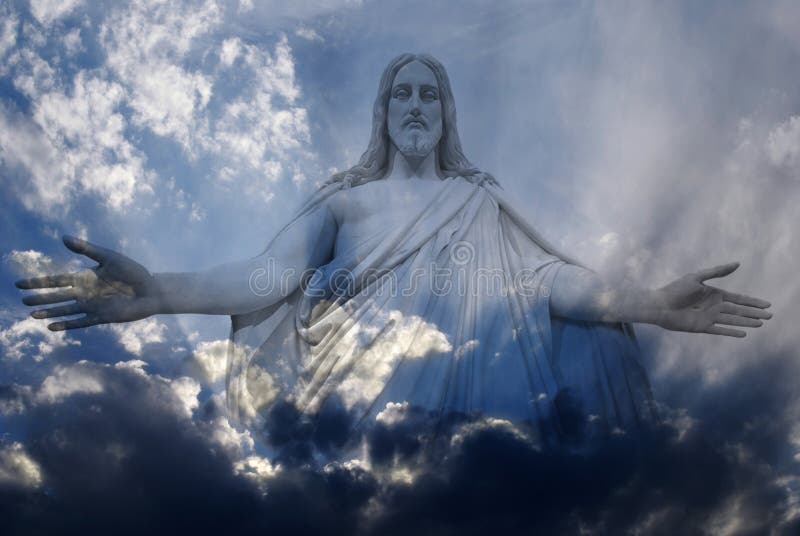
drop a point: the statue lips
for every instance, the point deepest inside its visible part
(412, 122)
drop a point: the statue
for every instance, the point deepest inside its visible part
(410, 280)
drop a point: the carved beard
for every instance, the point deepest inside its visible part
(416, 142)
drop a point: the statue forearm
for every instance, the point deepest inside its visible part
(686, 304)
(232, 288)
(581, 294)
(245, 286)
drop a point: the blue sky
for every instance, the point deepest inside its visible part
(648, 139)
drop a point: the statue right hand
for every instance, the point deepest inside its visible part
(118, 289)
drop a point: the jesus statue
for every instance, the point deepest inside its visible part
(410, 280)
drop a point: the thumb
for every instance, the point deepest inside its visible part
(83, 247)
(718, 271)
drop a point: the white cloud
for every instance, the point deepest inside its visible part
(783, 143)
(260, 127)
(672, 176)
(176, 395)
(731, 518)
(256, 468)
(67, 381)
(791, 508)
(261, 390)
(488, 423)
(77, 138)
(32, 263)
(31, 337)
(375, 357)
(186, 390)
(211, 357)
(17, 468)
(134, 365)
(72, 42)
(197, 213)
(29, 263)
(309, 34)
(18, 401)
(234, 442)
(73, 143)
(8, 33)
(48, 11)
(146, 45)
(463, 349)
(393, 413)
(133, 336)
(88, 130)
(229, 51)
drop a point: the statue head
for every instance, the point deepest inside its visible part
(414, 112)
(439, 133)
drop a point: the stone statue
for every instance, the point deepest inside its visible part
(410, 279)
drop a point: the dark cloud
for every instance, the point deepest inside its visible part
(126, 461)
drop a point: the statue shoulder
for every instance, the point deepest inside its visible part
(342, 201)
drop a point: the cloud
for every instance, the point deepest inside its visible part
(48, 11)
(258, 130)
(106, 456)
(392, 413)
(8, 33)
(67, 381)
(186, 390)
(89, 120)
(211, 358)
(135, 335)
(309, 34)
(72, 42)
(17, 468)
(678, 148)
(234, 442)
(15, 399)
(33, 263)
(147, 45)
(673, 173)
(30, 337)
(256, 468)
(81, 132)
(783, 143)
(135, 365)
(29, 263)
(74, 142)
(257, 122)
(376, 352)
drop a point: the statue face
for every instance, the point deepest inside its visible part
(414, 117)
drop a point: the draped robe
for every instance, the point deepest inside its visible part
(448, 312)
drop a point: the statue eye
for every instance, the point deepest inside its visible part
(429, 95)
(401, 93)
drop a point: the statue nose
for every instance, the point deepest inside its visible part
(414, 103)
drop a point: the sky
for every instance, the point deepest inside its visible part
(646, 139)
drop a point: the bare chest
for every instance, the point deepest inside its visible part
(378, 207)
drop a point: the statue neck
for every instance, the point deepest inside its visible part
(403, 167)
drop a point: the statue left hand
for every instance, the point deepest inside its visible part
(688, 304)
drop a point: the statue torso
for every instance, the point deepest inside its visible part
(377, 207)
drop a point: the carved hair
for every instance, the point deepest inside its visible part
(373, 164)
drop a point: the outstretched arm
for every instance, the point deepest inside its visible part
(687, 304)
(245, 286)
(119, 289)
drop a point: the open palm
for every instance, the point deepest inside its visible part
(118, 289)
(691, 305)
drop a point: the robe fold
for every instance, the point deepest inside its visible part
(448, 312)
